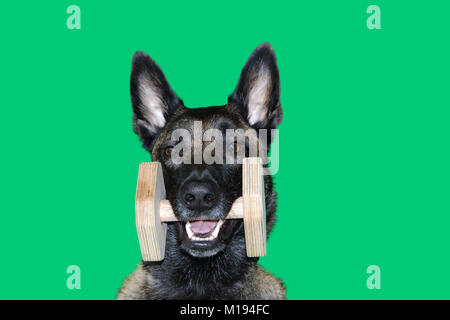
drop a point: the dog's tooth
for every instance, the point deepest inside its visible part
(217, 229)
(210, 238)
(195, 238)
(188, 230)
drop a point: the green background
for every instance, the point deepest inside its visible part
(364, 145)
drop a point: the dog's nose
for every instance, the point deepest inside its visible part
(199, 195)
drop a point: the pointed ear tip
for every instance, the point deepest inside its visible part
(265, 52)
(140, 55)
(265, 47)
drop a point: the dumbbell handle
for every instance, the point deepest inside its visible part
(166, 212)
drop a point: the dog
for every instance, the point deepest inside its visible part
(205, 255)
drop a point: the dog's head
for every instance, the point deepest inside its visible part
(202, 191)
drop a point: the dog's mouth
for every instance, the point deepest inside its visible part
(203, 230)
(203, 237)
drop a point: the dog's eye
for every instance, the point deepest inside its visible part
(168, 151)
(235, 147)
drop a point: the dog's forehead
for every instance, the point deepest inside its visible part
(200, 119)
(209, 117)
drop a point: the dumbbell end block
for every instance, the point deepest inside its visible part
(254, 207)
(149, 192)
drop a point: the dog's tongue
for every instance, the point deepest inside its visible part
(203, 226)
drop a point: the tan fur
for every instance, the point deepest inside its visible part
(135, 286)
(262, 285)
(257, 284)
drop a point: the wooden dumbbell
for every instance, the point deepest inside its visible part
(153, 211)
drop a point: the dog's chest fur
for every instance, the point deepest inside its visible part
(255, 284)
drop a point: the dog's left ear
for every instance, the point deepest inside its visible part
(257, 95)
(152, 98)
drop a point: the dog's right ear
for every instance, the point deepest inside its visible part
(257, 95)
(152, 98)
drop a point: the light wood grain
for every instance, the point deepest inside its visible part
(149, 192)
(254, 207)
(166, 212)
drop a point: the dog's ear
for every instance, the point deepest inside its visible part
(152, 99)
(257, 95)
